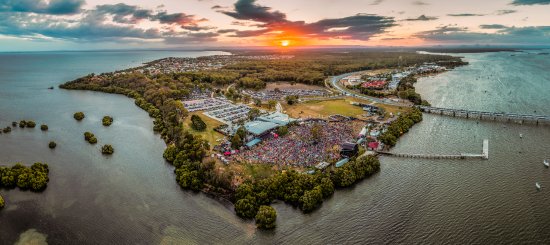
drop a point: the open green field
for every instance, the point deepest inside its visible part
(320, 109)
(323, 109)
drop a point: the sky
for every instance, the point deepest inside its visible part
(28, 25)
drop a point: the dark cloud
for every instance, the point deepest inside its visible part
(420, 3)
(507, 35)
(422, 18)
(357, 27)
(52, 7)
(505, 11)
(249, 10)
(223, 31)
(493, 26)
(123, 13)
(110, 22)
(530, 2)
(465, 15)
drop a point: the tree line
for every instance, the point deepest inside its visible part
(400, 126)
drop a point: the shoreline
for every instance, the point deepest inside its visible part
(227, 195)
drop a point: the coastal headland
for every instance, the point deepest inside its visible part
(231, 133)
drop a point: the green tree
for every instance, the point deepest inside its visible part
(282, 131)
(316, 132)
(2, 203)
(253, 113)
(246, 207)
(291, 99)
(44, 127)
(52, 145)
(266, 217)
(271, 104)
(257, 102)
(22, 123)
(236, 141)
(311, 199)
(197, 123)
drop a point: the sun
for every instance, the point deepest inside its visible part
(285, 43)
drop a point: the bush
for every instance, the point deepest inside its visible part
(14, 124)
(107, 121)
(107, 149)
(44, 127)
(31, 124)
(79, 116)
(52, 145)
(246, 207)
(2, 203)
(6, 130)
(282, 131)
(22, 124)
(266, 217)
(197, 123)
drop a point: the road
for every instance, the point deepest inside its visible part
(335, 83)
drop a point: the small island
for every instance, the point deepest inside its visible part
(90, 138)
(107, 121)
(79, 116)
(107, 150)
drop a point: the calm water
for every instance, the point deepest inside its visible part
(132, 198)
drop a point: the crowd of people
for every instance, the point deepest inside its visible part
(300, 147)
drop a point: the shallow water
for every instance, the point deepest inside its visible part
(132, 198)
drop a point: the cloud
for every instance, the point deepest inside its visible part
(109, 22)
(272, 23)
(422, 18)
(419, 3)
(504, 36)
(530, 2)
(505, 11)
(248, 10)
(52, 7)
(493, 26)
(465, 15)
(376, 2)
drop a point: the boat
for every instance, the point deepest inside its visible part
(538, 186)
(546, 163)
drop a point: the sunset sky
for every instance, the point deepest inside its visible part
(112, 24)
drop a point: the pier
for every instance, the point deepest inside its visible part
(484, 154)
(484, 115)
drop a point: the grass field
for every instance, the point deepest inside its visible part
(208, 134)
(323, 109)
(320, 109)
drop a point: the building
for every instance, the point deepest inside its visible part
(277, 118)
(260, 128)
(349, 149)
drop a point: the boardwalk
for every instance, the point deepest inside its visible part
(484, 155)
(484, 115)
